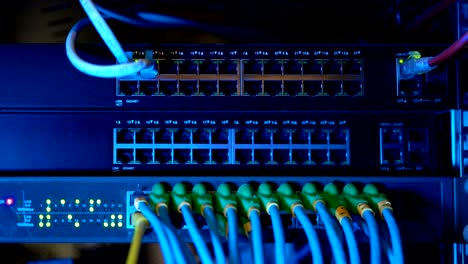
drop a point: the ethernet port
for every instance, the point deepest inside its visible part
(220, 136)
(300, 136)
(188, 87)
(338, 136)
(262, 136)
(125, 135)
(148, 87)
(392, 156)
(201, 156)
(167, 66)
(262, 156)
(300, 156)
(392, 135)
(244, 156)
(188, 67)
(332, 88)
(293, 67)
(220, 156)
(253, 66)
(352, 67)
(281, 136)
(332, 67)
(319, 136)
(273, 67)
(312, 67)
(182, 136)
(252, 88)
(282, 156)
(163, 156)
(320, 156)
(182, 156)
(208, 88)
(163, 135)
(228, 88)
(168, 87)
(228, 66)
(128, 87)
(201, 136)
(208, 67)
(144, 135)
(244, 136)
(125, 156)
(352, 88)
(339, 157)
(313, 88)
(293, 88)
(436, 82)
(411, 87)
(144, 156)
(272, 88)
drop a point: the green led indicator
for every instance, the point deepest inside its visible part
(401, 61)
(91, 209)
(48, 201)
(41, 217)
(112, 224)
(48, 209)
(106, 224)
(77, 224)
(62, 202)
(41, 224)
(77, 201)
(120, 216)
(98, 201)
(112, 217)
(91, 201)
(120, 224)
(70, 217)
(48, 217)
(48, 224)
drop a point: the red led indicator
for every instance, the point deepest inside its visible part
(9, 201)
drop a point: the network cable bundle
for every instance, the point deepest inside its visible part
(235, 153)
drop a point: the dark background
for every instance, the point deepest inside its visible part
(264, 21)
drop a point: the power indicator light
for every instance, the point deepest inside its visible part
(9, 201)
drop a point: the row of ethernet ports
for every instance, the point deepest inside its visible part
(231, 88)
(338, 136)
(337, 157)
(297, 67)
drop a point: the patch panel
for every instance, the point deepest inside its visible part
(238, 146)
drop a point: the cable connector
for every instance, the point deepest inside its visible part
(201, 198)
(180, 196)
(377, 200)
(267, 197)
(248, 202)
(336, 202)
(288, 198)
(159, 196)
(357, 202)
(224, 198)
(139, 220)
(414, 65)
(138, 201)
(311, 196)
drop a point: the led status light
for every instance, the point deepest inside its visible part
(120, 216)
(41, 224)
(112, 217)
(77, 201)
(98, 201)
(91, 201)
(62, 202)
(48, 217)
(106, 224)
(70, 217)
(91, 209)
(112, 224)
(48, 209)
(41, 217)
(48, 224)
(77, 224)
(401, 61)
(48, 201)
(9, 201)
(120, 224)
